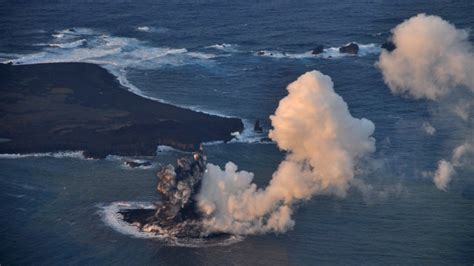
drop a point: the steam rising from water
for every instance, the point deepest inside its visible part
(434, 60)
(324, 143)
(446, 169)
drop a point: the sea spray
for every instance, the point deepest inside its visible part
(323, 144)
(434, 60)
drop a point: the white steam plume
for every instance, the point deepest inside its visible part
(434, 60)
(428, 128)
(446, 169)
(431, 58)
(323, 141)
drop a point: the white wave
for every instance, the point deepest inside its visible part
(151, 29)
(165, 148)
(121, 76)
(74, 31)
(110, 216)
(86, 45)
(116, 54)
(202, 55)
(212, 143)
(224, 47)
(60, 154)
(58, 35)
(371, 48)
(279, 54)
(124, 159)
(270, 53)
(68, 44)
(142, 167)
(331, 52)
(143, 28)
(249, 135)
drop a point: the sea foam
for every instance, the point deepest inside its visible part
(328, 53)
(111, 217)
(59, 154)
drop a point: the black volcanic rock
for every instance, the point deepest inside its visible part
(136, 164)
(317, 50)
(257, 127)
(389, 46)
(176, 214)
(351, 48)
(80, 106)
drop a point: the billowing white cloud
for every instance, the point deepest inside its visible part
(432, 58)
(323, 143)
(443, 174)
(446, 169)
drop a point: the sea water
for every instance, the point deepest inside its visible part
(204, 55)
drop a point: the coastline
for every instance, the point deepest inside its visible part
(81, 106)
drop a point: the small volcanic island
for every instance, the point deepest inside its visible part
(176, 215)
(82, 107)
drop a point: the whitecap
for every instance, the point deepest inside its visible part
(270, 53)
(249, 135)
(224, 47)
(68, 44)
(330, 52)
(212, 143)
(151, 29)
(116, 54)
(202, 55)
(371, 48)
(143, 28)
(165, 149)
(60, 154)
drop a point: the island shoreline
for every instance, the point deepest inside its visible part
(53, 107)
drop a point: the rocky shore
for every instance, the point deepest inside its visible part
(80, 106)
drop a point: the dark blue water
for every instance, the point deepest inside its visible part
(173, 51)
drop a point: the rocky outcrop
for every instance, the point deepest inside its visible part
(389, 46)
(257, 127)
(136, 163)
(176, 213)
(317, 50)
(351, 48)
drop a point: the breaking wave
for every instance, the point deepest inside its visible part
(73, 44)
(151, 29)
(224, 47)
(60, 154)
(328, 53)
(86, 45)
(116, 54)
(111, 217)
(249, 135)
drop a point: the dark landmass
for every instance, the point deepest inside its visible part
(257, 127)
(80, 106)
(319, 49)
(176, 213)
(136, 164)
(351, 48)
(389, 46)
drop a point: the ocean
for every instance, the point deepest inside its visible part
(235, 59)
